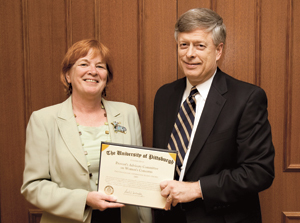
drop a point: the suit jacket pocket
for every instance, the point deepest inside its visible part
(224, 135)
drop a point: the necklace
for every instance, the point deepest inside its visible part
(85, 149)
(102, 106)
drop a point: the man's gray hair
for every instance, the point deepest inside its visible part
(205, 19)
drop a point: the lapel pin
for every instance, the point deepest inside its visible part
(118, 128)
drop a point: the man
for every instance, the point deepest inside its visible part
(229, 157)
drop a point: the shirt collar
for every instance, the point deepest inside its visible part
(202, 88)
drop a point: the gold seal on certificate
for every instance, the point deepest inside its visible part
(133, 174)
(109, 190)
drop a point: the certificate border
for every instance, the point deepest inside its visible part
(137, 147)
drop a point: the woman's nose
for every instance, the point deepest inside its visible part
(93, 70)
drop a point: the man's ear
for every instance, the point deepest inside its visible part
(219, 51)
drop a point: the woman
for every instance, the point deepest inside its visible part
(63, 144)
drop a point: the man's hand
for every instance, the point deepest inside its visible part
(179, 192)
(101, 201)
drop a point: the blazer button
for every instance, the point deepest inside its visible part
(106, 132)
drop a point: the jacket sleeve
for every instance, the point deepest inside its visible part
(254, 169)
(137, 128)
(38, 188)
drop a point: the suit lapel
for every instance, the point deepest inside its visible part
(114, 115)
(212, 108)
(173, 104)
(69, 132)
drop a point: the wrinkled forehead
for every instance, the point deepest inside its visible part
(195, 35)
(192, 30)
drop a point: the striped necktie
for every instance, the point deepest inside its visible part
(183, 126)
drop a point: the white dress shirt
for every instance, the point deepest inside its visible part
(203, 90)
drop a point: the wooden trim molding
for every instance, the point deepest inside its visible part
(140, 33)
(213, 5)
(257, 62)
(68, 5)
(286, 216)
(34, 215)
(97, 19)
(26, 63)
(287, 150)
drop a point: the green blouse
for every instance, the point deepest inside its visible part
(91, 138)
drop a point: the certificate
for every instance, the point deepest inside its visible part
(133, 174)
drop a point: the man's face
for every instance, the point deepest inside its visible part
(197, 55)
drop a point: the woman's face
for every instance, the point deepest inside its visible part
(88, 76)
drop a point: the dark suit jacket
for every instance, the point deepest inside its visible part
(232, 153)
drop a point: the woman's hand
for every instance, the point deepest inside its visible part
(101, 201)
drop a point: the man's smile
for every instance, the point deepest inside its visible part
(191, 64)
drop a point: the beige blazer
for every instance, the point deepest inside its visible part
(56, 177)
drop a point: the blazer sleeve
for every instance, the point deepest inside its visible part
(37, 186)
(254, 168)
(137, 128)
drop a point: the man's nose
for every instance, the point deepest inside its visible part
(191, 51)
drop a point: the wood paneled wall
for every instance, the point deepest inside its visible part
(261, 48)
